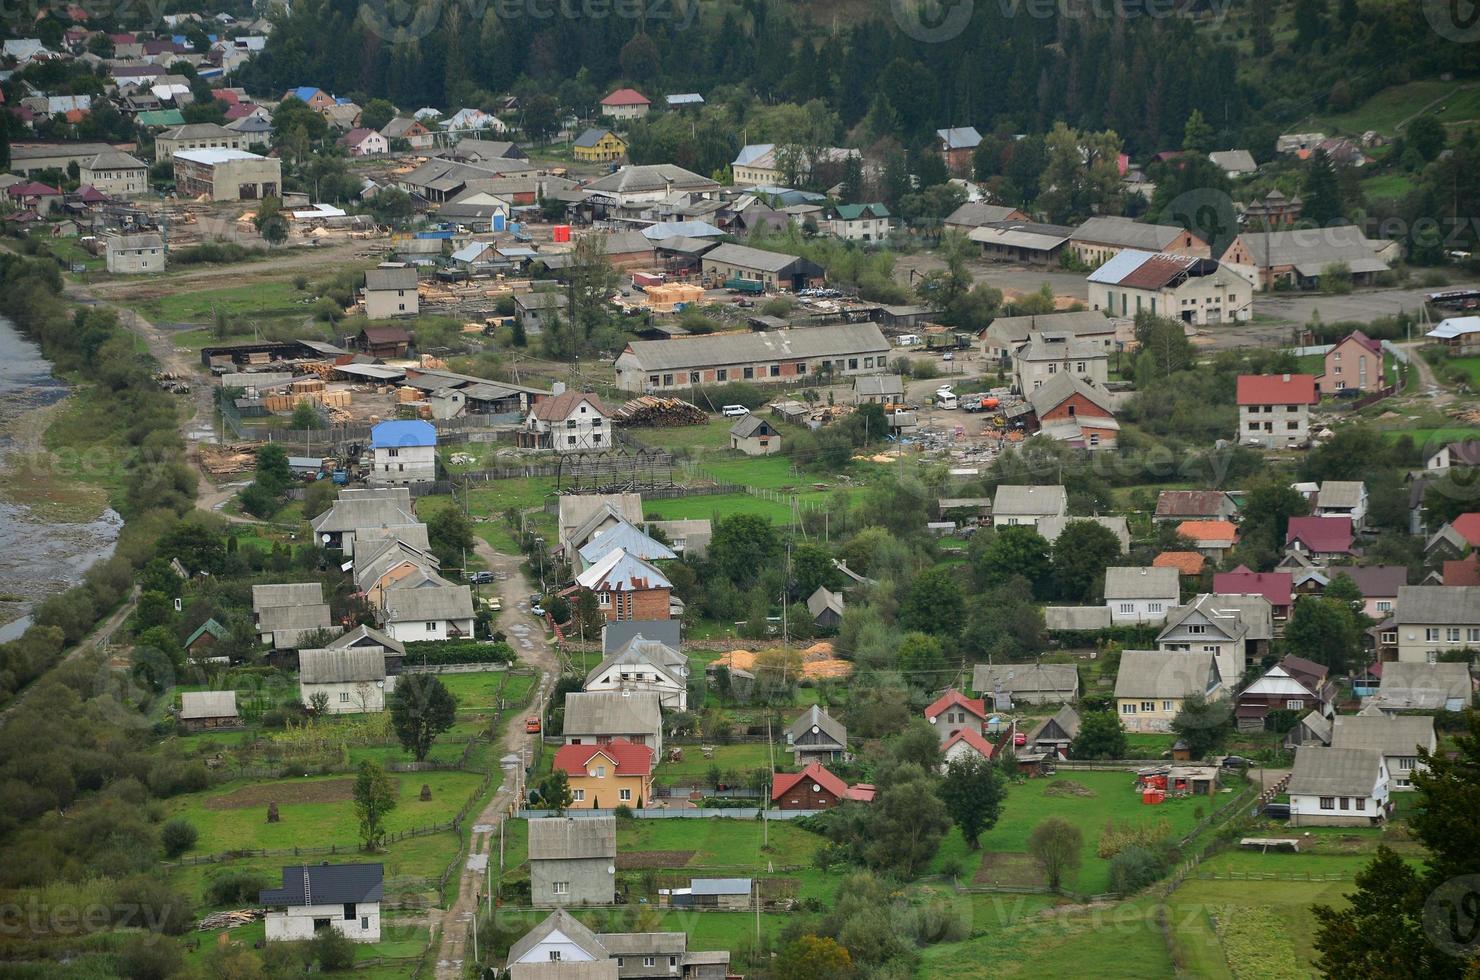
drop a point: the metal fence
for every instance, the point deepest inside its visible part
(700, 813)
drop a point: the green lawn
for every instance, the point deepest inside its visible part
(739, 759)
(1384, 110)
(721, 842)
(324, 816)
(401, 947)
(1470, 365)
(710, 506)
(269, 298)
(1387, 186)
(1148, 745)
(713, 436)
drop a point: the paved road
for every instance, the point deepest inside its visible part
(527, 636)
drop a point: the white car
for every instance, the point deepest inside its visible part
(734, 411)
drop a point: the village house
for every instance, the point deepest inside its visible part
(383, 341)
(1460, 334)
(967, 743)
(856, 222)
(1276, 587)
(1053, 736)
(390, 291)
(1332, 787)
(644, 665)
(1188, 564)
(403, 451)
(1422, 686)
(1236, 629)
(754, 435)
(417, 136)
(1045, 355)
(1152, 684)
(816, 736)
(369, 638)
(598, 717)
(389, 562)
(597, 145)
(41, 199)
(625, 535)
(363, 508)
(957, 147)
(284, 614)
(1455, 539)
(1193, 290)
(1103, 237)
(1194, 505)
(570, 422)
(782, 356)
(953, 712)
(1435, 619)
(115, 173)
(1006, 334)
(628, 587)
(208, 710)
(626, 103)
(730, 894)
(1293, 684)
(1343, 498)
(1463, 454)
(1211, 538)
(572, 860)
(364, 142)
(353, 681)
(1356, 361)
(613, 773)
(255, 131)
(343, 897)
(1049, 528)
(1072, 411)
(1234, 163)
(815, 788)
(1140, 595)
(1021, 242)
(1320, 539)
(1397, 737)
(768, 165)
(1015, 505)
(826, 608)
(1274, 410)
(561, 948)
(635, 186)
(774, 271)
(1300, 257)
(195, 136)
(882, 389)
(582, 517)
(431, 611)
(135, 254)
(199, 643)
(227, 175)
(975, 214)
(1379, 585)
(1010, 685)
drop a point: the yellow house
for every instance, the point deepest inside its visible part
(599, 146)
(608, 774)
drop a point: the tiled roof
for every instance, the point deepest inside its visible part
(1208, 531)
(1322, 535)
(1276, 389)
(629, 758)
(1185, 562)
(954, 699)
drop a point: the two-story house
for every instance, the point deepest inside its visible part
(1235, 629)
(857, 222)
(598, 717)
(1320, 539)
(1277, 587)
(1136, 595)
(1048, 353)
(570, 422)
(1016, 505)
(1151, 686)
(403, 451)
(644, 665)
(1274, 410)
(1354, 362)
(343, 897)
(1435, 619)
(607, 774)
(1343, 498)
(1293, 684)
(628, 587)
(953, 712)
(816, 736)
(572, 860)
(390, 291)
(1397, 736)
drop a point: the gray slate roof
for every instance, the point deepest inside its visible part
(287, 594)
(354, 665)
(977, 213)
(834, 340)
(612, 713)
(1313, 247)
(1066, 718)
(1340, 493)
(1424, 685)
(1076, 617)
(377, 279)
(650, 653)
(1057, 679)
(359, 508)
(1140, 583)
(567, 925)
(751, 258)
(1058, 389)
(1163, 674)
(816, 717)
(1445, 604)
(275, 618)
(616, 635)
(720, 886)
(207, 704)
(651, 177)
(417, 605)
(570, 838)
(878, 384)
(1126, 233)
(1015, 329)
(1389, 734)
(1321, 771)
(367, 636)
(1021, 501)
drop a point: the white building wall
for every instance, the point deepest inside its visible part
(1141, 610)
(670, 696)
(134, 261)
(382, 304)
(404, 464)
(350, 698)
(298, 922)
(1288, 425)
(411, 632)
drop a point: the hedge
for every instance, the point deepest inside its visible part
(435, 653)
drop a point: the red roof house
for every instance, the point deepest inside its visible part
(1468, 527)
(953, 712)
(1185, 562)
(1277, 389)
(630, 758)
(1465, 571)
(814, 788)
(1277, 587)
(1320, 537)
(626, 103)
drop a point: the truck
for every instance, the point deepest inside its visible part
(745, 286)
(947, 341)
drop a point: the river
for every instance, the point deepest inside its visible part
(38, 557)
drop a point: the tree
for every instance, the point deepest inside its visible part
(1204, 725)
(1080, 556)
(1427, 135)
(554, 791)
(742, 546)
(305, 416)
(813, 958)
(1197, 135)
(1005, 552)
(376, 113)
(934, 603)
(906, 822)
(273, 473)
(332, 950)
(1101, 736)
(973, 791)
(640, 58)
(1056, 845)
(1324, 629)
(1310, 23)
(1163, 348)
(1268, 506)
(269, 221)
(177, 836)
(1322, 190)
(541, 117)
(421, 709)
(812, 568)
(375, 798)
(921, 660)
(450, 534)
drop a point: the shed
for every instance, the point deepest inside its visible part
(201, 710)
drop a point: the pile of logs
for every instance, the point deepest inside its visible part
(228, 460)
(229, 919)
(664, 412)
(1469, 416)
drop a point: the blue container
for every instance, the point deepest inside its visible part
(498, 222)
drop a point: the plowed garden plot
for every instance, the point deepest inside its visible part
(632, 860)
(283, 793)
(1008, 870)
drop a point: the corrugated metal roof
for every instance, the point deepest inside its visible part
(835, 340)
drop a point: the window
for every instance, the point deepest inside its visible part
(776, 370)
(722, 375)
(1346, 803)
(344, 697)
(349, 911)
(1155, 607)
(1127, 709)
(365, 923)
(1294, 704)
(578, 796)
(868, 362)
(1390, 637)
(693, 377)
(431, 627)
(649, 961)
(1384, 605)
(1094, 437)
(1473, 634)
(562, 888)
(802, 366)
(570, 440)
(749, 373)
(570, 423)
(1148, 705)
(625, 795)
(1452, 634)
(554, 956)
(604, 599)
(601, 772)
(1197, 628)
(392, 452)
(1407, 763)
(1431, 635)
(1127, 607)
(1328, 803)
(1166, 706)
(668, 380)
(1361, 803)
(853, 364)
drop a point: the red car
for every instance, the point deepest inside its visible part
(1019, 739)
(532, 726)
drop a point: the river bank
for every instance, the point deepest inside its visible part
(52, 525)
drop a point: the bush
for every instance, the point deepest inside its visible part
(147, 903)
(333, 950)
(1136, 867)
(713, 397)
(236, 887)
(213, 253)
(149, 957)
(178, 836)
(435, 653)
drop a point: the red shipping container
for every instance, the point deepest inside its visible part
(562, 233)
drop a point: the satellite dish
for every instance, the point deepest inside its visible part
(814, 727)
(324, 538)
(611, 869)
(816, 788)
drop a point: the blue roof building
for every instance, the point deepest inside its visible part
(403, 434)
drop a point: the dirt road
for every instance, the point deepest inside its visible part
(527, 636)
(92, 641)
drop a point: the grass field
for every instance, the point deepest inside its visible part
(721, 842)
(268, 298)
(317, 810)
(1470, 365)
(1387, 186)
(715, 506)
(401, 946)
(1393, 105)
(739, 759)
(713, 436)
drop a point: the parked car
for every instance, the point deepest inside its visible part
(1235, 762)
(734, 411)
(537, 610)
(1277, 811)
(480, 578)
(948, 356)
(532, 725)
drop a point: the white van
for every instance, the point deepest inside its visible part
(946, 399)
(907, 340)
(734, 411)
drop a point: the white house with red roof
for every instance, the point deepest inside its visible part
(626, 103)
(815, 788)
(363, 142)
(1354, 362)
(953, 712)
(967, 743)
(1274, 409)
